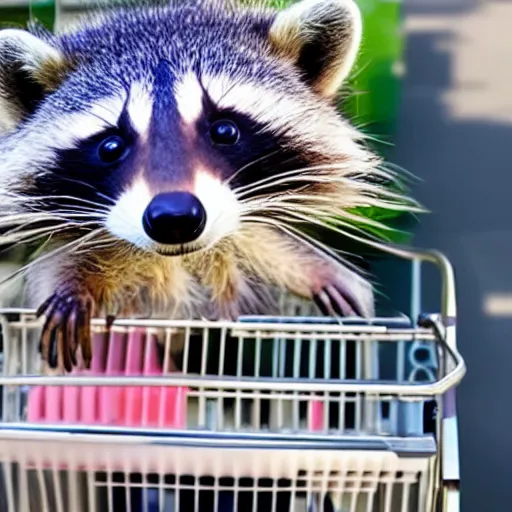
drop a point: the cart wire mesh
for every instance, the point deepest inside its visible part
(270, 414)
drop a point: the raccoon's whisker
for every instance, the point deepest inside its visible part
(109, 239)
(364, 200)
(79, 208)
(331, 213)
(75, 215)
(299, 173)
(398, 174)
(322, 205)
(21, 230)
(293, 216)
(306, 179)
(29, 236)
(85, 239)
(373, 242)
(96, 191)
(66, 247)
(64, 209)
(329, 218)
(24, 241)
(298, 234)
(21, 222)
(23, 218)
(108, 124)
(376, 196)
(303, 174)
(250, 164)
(21, 235)
(297, 200)
(82, 211)
(88, 214)
(334, 253)
(41, 200)
(291, 201)
(86, 247)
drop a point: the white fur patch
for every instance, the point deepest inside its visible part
(189, 98)
(140, 107)
(71, 128)
(107, 110)
(125, 218)
(75, 127)
(221, 205)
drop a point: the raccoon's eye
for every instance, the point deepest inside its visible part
(111, 149)
(224, 132)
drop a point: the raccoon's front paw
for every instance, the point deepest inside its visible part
(341, 292)
(67, 327)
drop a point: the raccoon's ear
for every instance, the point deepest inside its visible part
(322, 38)
(29, 69)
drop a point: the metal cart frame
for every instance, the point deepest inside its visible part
(356, 462)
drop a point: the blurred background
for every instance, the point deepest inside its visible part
(432, 85)
(454, 130)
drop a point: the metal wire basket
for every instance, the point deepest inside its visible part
(294, 413)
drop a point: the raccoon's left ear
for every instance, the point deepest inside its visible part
(322, 38)
(29, 69)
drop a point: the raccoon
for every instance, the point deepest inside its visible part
(167, 159)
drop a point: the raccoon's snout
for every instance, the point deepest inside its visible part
(174, 218)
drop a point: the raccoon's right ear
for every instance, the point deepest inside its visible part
(30, 68)
(322, 38)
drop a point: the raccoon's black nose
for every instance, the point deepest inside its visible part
(174, 218)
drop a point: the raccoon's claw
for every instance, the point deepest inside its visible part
(333, 302)
(338, 299)
(67, 326)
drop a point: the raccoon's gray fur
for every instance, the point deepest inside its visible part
(169, 156)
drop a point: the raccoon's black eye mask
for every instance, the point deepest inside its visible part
(99, 167)
(250, 149)
(100, 152)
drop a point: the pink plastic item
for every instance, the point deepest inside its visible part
(315, 416)
(151, 406)
(88, 396)
(135, 354)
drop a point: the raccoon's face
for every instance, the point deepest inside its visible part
(173, 127)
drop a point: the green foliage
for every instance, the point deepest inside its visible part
(43, 11)
(390, 220)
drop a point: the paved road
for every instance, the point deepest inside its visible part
(456, 133)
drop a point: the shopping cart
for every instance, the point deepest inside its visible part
(288, 414)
